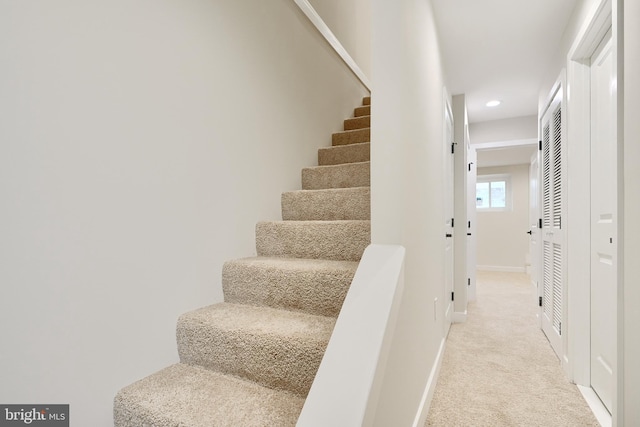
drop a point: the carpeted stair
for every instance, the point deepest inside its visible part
(250, 360)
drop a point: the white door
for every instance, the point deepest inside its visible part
(552, 234)
(534, 216)
(603, 222)
(449, 209)
(471, 222)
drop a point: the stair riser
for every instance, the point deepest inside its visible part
(339, 240)
(362, 111)
(272, 361)
(327, 205)
(357, 123)
(339, 176)
(351, 137)
(319, 293)
(366, 100)
(352, 153)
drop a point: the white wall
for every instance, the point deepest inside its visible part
(582, 9)
(502, 240)
(350, 21)
(511, 129)
(139, 144)
(407, 191)
(631, 213)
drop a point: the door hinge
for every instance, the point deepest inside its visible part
(539, 223)
(452, 222)
(560, 328)
(470, 166)
(452, 296)
(468, 281)
(560, 222)
(468, 224)
(540, 301)
(453, 147)
(540, 145)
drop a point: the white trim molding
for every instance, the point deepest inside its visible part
(501, 268)
(430, 388)
(326, 32)
(459, 316)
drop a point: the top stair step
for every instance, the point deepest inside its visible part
(366, 100)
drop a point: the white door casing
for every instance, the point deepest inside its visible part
(603, 222)
(449, 212)
(471, 221)
(552, 186)
(534, 216)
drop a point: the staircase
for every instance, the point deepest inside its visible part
(250, 360)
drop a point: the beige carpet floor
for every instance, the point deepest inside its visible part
(498, 368)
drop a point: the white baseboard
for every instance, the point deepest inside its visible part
(597, 407)
(505, 269)
(459, 316)
(430, 388)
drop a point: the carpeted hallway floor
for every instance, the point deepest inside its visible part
(498, 367)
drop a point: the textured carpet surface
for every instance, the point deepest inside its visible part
(351, 137)
(336, 176)
(280, 349)
(196, 397)
(314, 286)
(251, 360)
(327, 205)
(498, 368)
(333, 240)
(354, 153)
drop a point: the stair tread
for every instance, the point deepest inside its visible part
(343, 154)
(313, 286)
(185, 395)
(327, 204)
(344, 175)
(351, 136)
(338, 166)
(337, 240)
(256, 320)
(281, 349)
(364, 110)
(356, 123)
(298, 264)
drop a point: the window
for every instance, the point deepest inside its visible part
(492, 192)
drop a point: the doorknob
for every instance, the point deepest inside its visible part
(529, 232)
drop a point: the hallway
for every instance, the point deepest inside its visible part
(498, 367)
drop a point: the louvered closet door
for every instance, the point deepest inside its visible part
(552, 236)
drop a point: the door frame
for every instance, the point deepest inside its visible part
(595, 27)
(560, 343)
(449, 198)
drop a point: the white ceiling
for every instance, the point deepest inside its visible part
(499, 49)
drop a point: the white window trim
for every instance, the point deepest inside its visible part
(509, 197)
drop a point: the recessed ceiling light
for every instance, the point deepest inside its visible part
(493, 103)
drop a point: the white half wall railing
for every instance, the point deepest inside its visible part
(347, 386)
(326, 32)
